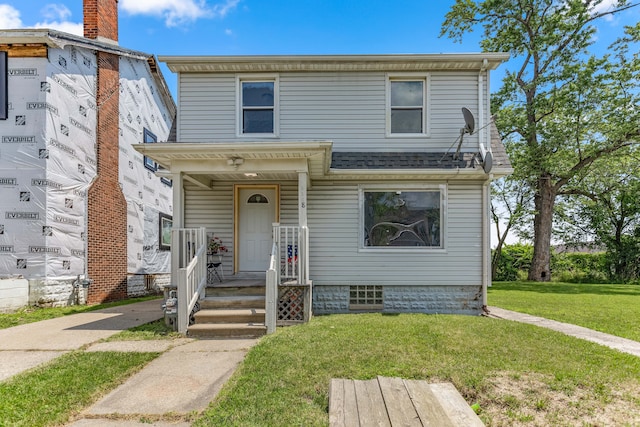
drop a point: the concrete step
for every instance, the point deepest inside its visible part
(238, 315)
(228, 302)
(217, 330)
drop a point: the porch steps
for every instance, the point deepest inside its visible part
(231, 310)
(237, 315)
(226, 330)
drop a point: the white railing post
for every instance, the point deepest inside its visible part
(271, 296)
(188, 271)
(183, 314)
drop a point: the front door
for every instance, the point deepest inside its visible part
(257, 209)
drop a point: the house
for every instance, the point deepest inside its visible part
(381, 163)
(81, 208)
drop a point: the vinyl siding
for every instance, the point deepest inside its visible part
(334, 239)
(333, 216)
(346, 108)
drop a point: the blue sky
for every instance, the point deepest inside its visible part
(264, 27)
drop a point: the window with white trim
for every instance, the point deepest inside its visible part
(402, 218)
(407, 105)
(258, 106)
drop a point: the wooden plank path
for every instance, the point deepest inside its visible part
(394, 402)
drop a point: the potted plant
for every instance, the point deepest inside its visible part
(216, 247)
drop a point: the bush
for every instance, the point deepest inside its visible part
(513, 260)
(573, 267)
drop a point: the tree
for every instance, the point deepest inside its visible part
(509, 205)
(606, 211)
(564, 109)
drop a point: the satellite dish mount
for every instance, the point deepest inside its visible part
(469, 127)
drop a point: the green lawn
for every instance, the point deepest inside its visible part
(50, 394)
(614, 309)
(519, 374)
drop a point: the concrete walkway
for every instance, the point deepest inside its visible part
(167, 392)
(611, 341)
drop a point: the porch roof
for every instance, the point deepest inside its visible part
(241, 160)
(202, 163)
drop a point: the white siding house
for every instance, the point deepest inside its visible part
(372, 152)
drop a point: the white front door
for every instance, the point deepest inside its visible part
(257, 213)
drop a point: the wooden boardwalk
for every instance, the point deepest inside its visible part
(396, 402)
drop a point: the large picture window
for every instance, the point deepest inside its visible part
(407, 105)
(402, 218)
(258, 100)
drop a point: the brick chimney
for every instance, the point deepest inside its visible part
(101, 20)
(107, 207)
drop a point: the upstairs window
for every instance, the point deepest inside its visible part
(258, 107)
(407, 104)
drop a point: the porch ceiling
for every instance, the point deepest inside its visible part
(204, 162)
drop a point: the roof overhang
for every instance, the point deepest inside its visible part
(329, 63)
(206, 162)
(60, 39)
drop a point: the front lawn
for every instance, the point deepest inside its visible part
(519, 374)
(50, 394)
(614, 309)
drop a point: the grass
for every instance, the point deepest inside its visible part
(157, 330)
(51, 394)
(35, 314)
(514, 373)
(613, 309)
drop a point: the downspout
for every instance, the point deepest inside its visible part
(486, 237)
(480, 127)
(486, 241)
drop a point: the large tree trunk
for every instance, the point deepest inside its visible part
(545, 198)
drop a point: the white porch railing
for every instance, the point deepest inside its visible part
(271, 290)
(189, 267)
(288, 288)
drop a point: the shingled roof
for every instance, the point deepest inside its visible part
(420, 160)
(400, 160)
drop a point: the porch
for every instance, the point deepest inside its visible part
(249, 304)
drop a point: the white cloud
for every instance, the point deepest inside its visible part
(177, 12)
(221, 10)
(57, 17)
(9, 17)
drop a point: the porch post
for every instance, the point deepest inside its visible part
(302, 199)
(176, 248)
(303, 179)
(178, 209)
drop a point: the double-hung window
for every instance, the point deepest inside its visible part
(258, 106)
(402, 217)
(407, 105)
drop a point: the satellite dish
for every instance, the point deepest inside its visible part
(487, 163)
(469, 121)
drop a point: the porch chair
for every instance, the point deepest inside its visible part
(214, 268)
